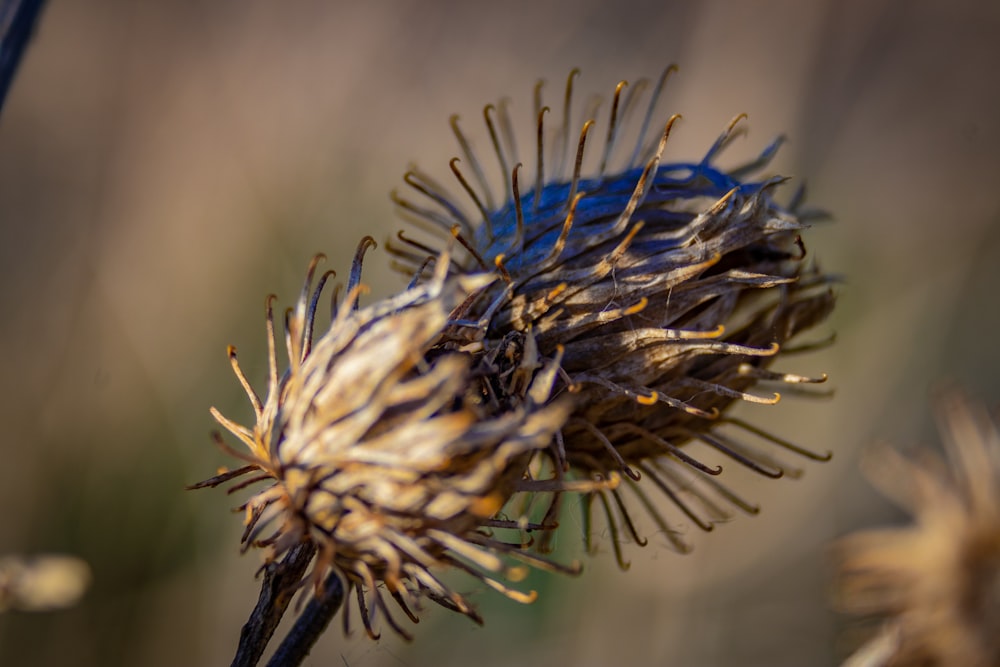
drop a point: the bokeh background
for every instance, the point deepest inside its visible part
(164, 166)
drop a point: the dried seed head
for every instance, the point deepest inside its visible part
(382, 446)
(937, 581)
(670, 288)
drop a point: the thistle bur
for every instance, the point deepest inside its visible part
(668, 288)
(382, 447)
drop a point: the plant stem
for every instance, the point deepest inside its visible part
(281, 581)
(310, 624)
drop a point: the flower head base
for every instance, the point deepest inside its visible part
(937, 581)
(382, 446)
(669, 288)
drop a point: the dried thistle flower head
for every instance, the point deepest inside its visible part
(937, 581)
(670, 288)
(383, 446)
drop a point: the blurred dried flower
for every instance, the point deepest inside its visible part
(938, 580)
(669, 289)
(42, 583)
(386, 447)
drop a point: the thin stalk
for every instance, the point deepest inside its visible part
(281, 581)
(310, 624)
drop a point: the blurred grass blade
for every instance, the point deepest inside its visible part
(17, 24)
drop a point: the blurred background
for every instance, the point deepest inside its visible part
(164, 166)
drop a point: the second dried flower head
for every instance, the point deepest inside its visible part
(669, 288)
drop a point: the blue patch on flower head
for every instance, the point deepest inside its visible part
(603, 200)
